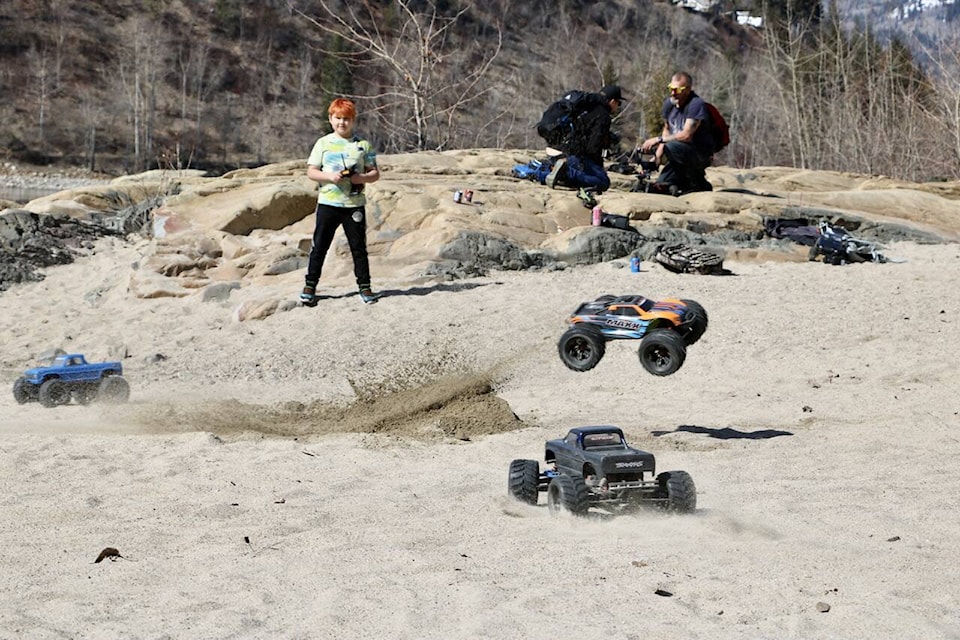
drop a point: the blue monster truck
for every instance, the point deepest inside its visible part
(70, 376)
(594, 467)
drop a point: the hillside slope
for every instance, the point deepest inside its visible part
(125, 85)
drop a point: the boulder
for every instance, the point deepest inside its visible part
(238, 207)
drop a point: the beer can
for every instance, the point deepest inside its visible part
(635, 264)
(468, 195)
(458, 196)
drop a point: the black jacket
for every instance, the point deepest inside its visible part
(593, 132)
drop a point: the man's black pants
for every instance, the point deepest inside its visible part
(685, 167)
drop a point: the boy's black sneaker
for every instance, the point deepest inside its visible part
(308, 297)
(368, 296)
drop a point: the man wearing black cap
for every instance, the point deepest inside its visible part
(583, 165)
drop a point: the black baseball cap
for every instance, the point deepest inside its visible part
(612, 92)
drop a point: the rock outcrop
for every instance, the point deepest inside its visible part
(252, 227)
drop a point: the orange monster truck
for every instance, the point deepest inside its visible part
(665, 330)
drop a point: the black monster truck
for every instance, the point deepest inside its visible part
(665, 330)
(594, 467)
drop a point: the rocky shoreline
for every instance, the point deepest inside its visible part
(29, 243)
(253, 226)
(14, 178)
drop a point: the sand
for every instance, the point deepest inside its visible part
(340, 472)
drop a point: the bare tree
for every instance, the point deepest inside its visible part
(789, 56)
(432, 73)
(139, 65)
(198, 79)
(946, 61)
(90, 114)
(266, 85)
(41, 88)
(305, 70)
(58, 12)
(831, 99)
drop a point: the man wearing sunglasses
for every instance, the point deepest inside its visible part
(685, 142)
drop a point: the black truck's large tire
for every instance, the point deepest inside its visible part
(695, 321)
(662, 352)
(523, 480)
(567, 493)
(581, 348)
(678, 489)
(113, 389)
(21, 390)
(54, 392)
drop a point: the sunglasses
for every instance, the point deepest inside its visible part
(674, 89)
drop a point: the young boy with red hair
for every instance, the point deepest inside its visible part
(342, 163)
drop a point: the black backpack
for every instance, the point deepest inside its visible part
(558, 125)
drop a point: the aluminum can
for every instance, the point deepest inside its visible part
(468, 195)
(635, 264)
(458, 196)
(597, 215)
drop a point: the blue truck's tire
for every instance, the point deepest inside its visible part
(53, 392)
(21, 391)
(86, 392)
(113, 390)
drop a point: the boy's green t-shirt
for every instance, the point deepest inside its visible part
(333, 153)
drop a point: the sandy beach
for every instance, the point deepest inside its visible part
(340, 472)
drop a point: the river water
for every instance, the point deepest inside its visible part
(23, 189)
(24, 194)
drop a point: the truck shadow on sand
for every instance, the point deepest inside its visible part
(726, 433)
